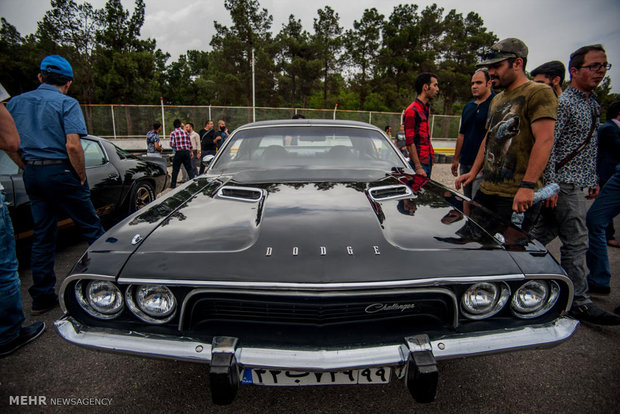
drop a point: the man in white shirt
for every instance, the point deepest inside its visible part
(195, 138)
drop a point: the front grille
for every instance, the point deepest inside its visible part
(411, 307)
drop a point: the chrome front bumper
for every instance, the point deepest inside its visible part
(444, 347)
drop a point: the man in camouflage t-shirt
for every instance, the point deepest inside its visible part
(519, 139)
(510, 138)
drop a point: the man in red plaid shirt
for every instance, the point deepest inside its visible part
(417, 128)
(182, 146)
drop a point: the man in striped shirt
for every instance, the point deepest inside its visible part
(182, 146)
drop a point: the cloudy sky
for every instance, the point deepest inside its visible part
(552, 29)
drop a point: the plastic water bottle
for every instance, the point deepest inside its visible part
(540, 195)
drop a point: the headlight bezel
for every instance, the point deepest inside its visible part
(549, 301)
(138, 310)
(82, 296)
(500, 299)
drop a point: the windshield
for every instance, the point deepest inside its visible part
(287, 151)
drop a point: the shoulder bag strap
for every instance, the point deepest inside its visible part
(580, 148)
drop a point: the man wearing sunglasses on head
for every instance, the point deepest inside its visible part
(519, 136)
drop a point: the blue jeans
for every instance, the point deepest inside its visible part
(54, 190)
(195, 161)
(11, 313)
(568, 221)
(605, 208)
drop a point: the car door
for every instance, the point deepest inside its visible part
(15, 196)
(104, 179)
(8, 171)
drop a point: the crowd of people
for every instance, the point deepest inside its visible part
(509, 145)
(191, 149)
(533, 134)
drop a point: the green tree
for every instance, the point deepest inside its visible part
(400, 56)
(128, 69)
(296, 63)
(120, 31)
(69, 26)
(362, 45)
(327, 42)
(232, 55)
(461, 46)
(19, 60)
(605, 97)
(70, 29)
(377, 70)
(431, 28)
(187, 79)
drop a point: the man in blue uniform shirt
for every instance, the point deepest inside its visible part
(50, 125)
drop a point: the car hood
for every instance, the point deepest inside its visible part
(225, 230)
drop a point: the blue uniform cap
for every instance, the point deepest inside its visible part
(57, 64)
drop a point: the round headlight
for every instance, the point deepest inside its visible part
(534, 298)
(483, 300)
(99, 298)
(155, 301)
(152, 303)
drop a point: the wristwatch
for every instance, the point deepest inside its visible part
(527, 184)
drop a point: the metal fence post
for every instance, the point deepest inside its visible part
(253, 90)
(113, 123)
(163, 116)
(335, 109)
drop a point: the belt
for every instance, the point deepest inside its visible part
(575, 186)
(45, 162)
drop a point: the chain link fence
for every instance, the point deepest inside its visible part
(132, 121)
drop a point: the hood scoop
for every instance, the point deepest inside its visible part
(248, 194)
(390, 192)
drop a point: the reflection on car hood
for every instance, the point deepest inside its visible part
(309, 233)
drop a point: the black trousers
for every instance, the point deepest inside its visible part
(181, 157)
(502, 207)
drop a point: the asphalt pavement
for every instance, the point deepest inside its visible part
(581, 375)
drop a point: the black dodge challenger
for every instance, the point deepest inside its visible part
(309, 253)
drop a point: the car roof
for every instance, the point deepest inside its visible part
(94, 137)
(309, 122)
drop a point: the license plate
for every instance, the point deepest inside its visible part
(276, 377)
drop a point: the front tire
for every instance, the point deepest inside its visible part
(141, 194)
